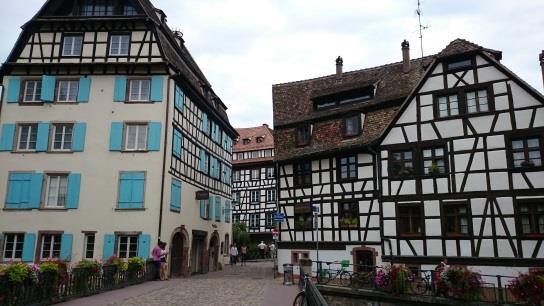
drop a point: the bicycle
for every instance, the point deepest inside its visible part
(421, 284)
(300, 298)
(342, 277)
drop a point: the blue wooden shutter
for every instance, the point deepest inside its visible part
(119, 92)
(84, 89)
(43, 137)
(138, 189)
(227, 211)
(18, 193)
(175, 196)
(143, 246)
(28, 247)
(72, 197)
(157, 88)
(179, 99)
(209, 207)
(66, 247)
(36, 184)
(218, 208)
(203, 166)
(79, 136)
(212, 166)
(109, 245)
(48, 88)
(6, 139)
(204, 126)
(214, 131)
(203, 209)
(125, 191)
(116, 136)
(14, 90)
(154, 136)
(177, 143)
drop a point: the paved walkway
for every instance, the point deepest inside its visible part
(251, 285)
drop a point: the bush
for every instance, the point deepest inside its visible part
(116, 261)
(92, 265)
(136, 264)
(17, 272)
(461, 283)
(393, 279)
(49, 267)
(528, 288)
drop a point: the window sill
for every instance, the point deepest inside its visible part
(526, 169)
(25, 152)
(52, 209)
(139, 102)
(130, 209)
(17, 209)
(456, 235)
(411, 235)
(178, 211)
(31, 103)
(134, 151)
(532, 236)
(464, 116)
(346, 180)
(60, 151)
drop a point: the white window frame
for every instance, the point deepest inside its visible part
(254, 220)
(65, 146)
(117, 41)
(139, 96)
(236, 176)
(60, 193)
(54, 238)
(269, 193)
(32, 127)
(269, 219)
(36, 94)
(72, 89)
(131, 239)
(13, 250)
(86, 245)
(140, 127)
(255, 196)
(70, 41)
(269, 171)
(256, 171)
(236, 196)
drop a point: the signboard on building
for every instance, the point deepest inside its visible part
(202, 195)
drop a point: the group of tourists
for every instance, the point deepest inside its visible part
(159, 254)
(241, 254)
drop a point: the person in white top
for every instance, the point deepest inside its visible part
(233, 254)
(262, 248)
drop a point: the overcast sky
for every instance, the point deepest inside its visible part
(245, 46)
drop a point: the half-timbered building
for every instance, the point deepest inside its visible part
(254, 181)
(108, 131)
(412, 162)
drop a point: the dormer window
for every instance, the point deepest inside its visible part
(459, 64)
(352, 126)
(96, 8)
(246, 141)
(342, 98)
(260, 139)
(304, 134)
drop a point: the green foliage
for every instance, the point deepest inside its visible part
(92, 265)
(49, 267)
(136, 264)
(239, 234)
(17, 272)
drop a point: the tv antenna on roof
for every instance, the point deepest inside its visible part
(421, 27)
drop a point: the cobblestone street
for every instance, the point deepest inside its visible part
(251, 285)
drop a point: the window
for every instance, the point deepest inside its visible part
(271, 195)
(459, 64)
(347, 167)
(88, 249)
(352, 126)
(246, 141)
(129, 10)
(28, 134)
(254, 221)
(13, 246)
(136, 137)
(434, 161)
(50, 246)
(119, 45)
(304, 134)
(297, 255)
(139, 90)
(346, 97)
(32, 91)
(409, 219)
(456, 218)
(56, 191)
(269, 219)
(270, 172)
(235, 218)
(348, 215)
(236, 175)
(127, 246)
(526, 152)
(255, 174)
(62, 137)
(477, 101)
(402, 163)
(255, 154)
(303, 173)
(67, 91)
(236, 196)
(531, 214)
(255, 196)
(303, 217)
(96, 8)
(448, 106)
(72, 45)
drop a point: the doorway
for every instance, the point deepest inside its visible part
(176, 255)
(364, 259)
(213, 253)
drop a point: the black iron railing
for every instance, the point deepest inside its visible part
(313, 296)
(53, 288)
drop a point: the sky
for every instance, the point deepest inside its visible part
(245, 46)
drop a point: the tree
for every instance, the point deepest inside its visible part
(240, 235)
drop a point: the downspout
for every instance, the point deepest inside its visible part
(166, 124)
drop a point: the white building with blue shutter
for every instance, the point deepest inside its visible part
(108, 129)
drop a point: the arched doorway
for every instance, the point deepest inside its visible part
(213, 252)
(179, 249)
(364, 259)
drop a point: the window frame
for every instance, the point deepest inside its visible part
(237, 175)
(41, 243)
(349, 178)
(118, 237)
(300, 175)
(357, 118)
(72, 35)
(14, 248)
(110, 45)
(54, 127)
(353, 210)
(271, 191)
(47, 185)
(86, 249)
(444, 218)
(532, 215)
(461, 93)
(22, 98)
(456, 59)
(269, 220)
(258, 176)
(33, 127)
(305, 210)
(391, 162)
(433, 158)
(418, 207)
(270, 170)
(251, 196)
(128, 93)
(58, 88)
(126, 139)
(301, 142)
(251, 220)
(524, 135)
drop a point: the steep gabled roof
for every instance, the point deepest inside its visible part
(259, 137)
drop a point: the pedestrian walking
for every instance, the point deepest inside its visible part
(272, 248)
(164, 266)
(243, 252)
(262, 248)
(156, 255)
(233, 254)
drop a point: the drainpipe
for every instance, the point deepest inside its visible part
(166, 124)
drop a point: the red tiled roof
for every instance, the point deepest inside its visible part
(262, 132)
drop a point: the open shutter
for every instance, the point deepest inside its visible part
(204, 123)
(209, 207)
(43, 137)
(109, 244)
(119, 92)
(154, 136)
(36, 190)
(177, 143)
(175, 196)
(116, 136)
(6, 139)
(66, 247)
(218, 208)
(18, 192)
(179, 99)
(28, 247)
(48, 88)
(125, 191)
(157, 88)
(143, 246)
(227, 211)
(203, 209)
(80, 129)
(72, 198)
(203, 166)
(14, 89)
(138, 188)
(84, 89)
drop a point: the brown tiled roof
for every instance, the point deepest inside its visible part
(252, 134)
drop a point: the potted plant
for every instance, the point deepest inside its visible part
(49, 274)
(527, 164)
(434, 169)
(461, 283)
(135, 265)
(528, 288)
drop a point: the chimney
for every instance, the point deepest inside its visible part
(541, 58)
(265, 125)
(339, 65)
(405, 56)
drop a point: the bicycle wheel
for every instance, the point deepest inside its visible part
(300, 299)
(418, 286)
(344, 279)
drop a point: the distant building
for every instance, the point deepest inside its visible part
(108, 130)
(412, 162)
(254, 181)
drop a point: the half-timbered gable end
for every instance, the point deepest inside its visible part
(460, 166)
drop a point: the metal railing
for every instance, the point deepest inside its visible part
(493, 288)
(79, 282)
(313, 296)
